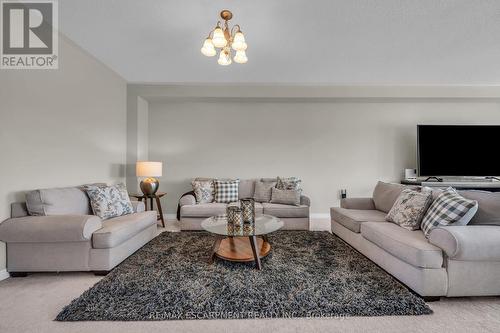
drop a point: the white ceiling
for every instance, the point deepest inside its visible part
(297, 42)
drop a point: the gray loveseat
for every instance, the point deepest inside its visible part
(454, 261)
(69, 237)
(294, 217)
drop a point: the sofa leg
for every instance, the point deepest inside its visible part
(431, 298)
(18, 274)
(101, 273)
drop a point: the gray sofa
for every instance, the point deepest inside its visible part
(67, 237)
(454, 261)
(294, 217)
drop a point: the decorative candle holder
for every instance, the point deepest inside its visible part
(248, 229)
(230, 229)
(234, 215)
(248, 210)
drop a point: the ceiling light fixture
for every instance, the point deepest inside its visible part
(226, 39)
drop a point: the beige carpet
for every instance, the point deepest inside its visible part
(30, 304)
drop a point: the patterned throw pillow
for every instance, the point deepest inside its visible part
(290, 183)
(204, 190)
(448, 208)
(263, 190)
(285, 197)
(410, 208)
(109, 201)
(226, 190)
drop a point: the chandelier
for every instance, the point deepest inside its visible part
(225, 39)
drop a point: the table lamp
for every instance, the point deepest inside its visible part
(150, 185)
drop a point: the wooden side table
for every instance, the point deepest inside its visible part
(152, 198)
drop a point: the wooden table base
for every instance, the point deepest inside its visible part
(241, 249)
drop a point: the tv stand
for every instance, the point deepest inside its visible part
(492, 186)
(492, 178)
(435, 178)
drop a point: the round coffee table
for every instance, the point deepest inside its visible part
(247, 242)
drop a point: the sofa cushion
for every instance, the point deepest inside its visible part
(119, 229)
(246, 188)
(263, 190)
(410, 246)
(488, 207)
(49, 229)
(58, 201)
(285, 211)
(286, 197)
(385, 195)
(203, 210)
(353, 218)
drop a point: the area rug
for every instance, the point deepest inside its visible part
(307, 274)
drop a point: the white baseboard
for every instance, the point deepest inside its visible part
(313, 216)
(170, 216)
(320, 216)
(4, 274)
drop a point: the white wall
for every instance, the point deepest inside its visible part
(137, 137)
(330, 145)
(60, 127)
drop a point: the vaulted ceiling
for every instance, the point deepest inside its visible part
(294, 41)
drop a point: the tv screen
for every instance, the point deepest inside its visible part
(458, 150)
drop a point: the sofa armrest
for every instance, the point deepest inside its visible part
(357, 203)
(188, 199)
(304, 200)
(138, 206)
(44, 229)
(473, 242)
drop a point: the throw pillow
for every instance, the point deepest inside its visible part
(226, 190)
(109, 201)
(204, 190)
(290, 183)
(409, 208)
(263, 191)
(449, 208)
(286, 197)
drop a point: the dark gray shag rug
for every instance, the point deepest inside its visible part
(307, 274)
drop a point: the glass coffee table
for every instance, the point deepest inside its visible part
(241, 243)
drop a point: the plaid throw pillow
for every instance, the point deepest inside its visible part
(448, 208)
(226, 190)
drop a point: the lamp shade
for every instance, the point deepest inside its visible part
(218, 39)
(148, 169)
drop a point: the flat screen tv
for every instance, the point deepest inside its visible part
(458, 150)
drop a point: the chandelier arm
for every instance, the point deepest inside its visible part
(232, 29)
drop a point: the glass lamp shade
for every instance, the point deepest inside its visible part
(239, 42)
(224, 58)
(218, 38)
(240, 57)
(208, 48)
